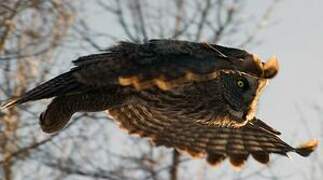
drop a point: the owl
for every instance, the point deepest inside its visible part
(198, 98)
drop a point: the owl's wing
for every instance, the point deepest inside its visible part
(260, 124)
(158, 63)
(166, 63)
(200, 140)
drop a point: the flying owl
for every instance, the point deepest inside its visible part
(198, 98)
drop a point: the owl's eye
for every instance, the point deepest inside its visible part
(242, 84)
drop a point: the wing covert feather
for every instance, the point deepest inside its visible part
(161, 61)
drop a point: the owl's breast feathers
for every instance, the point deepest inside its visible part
(149, 89)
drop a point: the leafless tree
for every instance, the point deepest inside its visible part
(30, 32)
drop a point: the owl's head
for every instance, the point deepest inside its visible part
(242, 90)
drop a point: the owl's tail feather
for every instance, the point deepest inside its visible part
(60, 85)
(307, 148)
(9, 103)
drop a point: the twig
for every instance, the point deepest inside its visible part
(173, 171)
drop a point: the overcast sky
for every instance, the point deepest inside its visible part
(297, 40)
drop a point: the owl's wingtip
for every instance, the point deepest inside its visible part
(9, 103)
(307, 148)
(271, 67)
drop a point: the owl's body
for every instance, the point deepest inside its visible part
(196, 97)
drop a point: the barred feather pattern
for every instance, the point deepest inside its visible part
(200, 140)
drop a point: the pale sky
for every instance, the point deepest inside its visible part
(297, 41)
(296, 38)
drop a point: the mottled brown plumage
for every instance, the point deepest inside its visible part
(196, 97)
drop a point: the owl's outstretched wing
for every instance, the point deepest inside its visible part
(257, 123)
(212, 142)
(158, 63)
(167, 63)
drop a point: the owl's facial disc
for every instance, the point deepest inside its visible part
(261, 84)
(241, 92)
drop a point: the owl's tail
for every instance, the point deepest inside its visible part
(60, 85)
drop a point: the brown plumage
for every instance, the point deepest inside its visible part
(198, 98)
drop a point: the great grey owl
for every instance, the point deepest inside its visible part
(196, 97)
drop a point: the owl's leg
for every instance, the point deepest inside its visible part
(61, 109)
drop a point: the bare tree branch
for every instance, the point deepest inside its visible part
(174, 168)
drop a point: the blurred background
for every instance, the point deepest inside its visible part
(40, 38)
